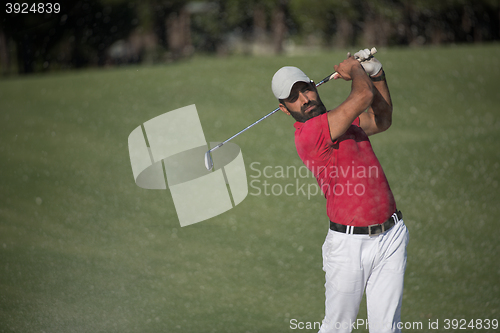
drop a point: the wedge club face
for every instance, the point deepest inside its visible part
(209, 163)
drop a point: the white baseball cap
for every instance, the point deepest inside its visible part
(285, 78)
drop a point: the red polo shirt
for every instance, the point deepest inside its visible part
(355, 187)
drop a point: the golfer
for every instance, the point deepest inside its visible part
(365, 247)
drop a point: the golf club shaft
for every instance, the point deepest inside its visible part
(243, 130)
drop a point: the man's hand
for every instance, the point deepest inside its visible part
(346, 68)
(372, 67)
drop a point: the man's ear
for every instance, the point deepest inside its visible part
(284, 109)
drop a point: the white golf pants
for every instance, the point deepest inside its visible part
(355, 262)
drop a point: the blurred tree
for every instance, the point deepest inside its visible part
(274, 12)
(210, 23)
(380, 18)
(346, 14)
(269, 23)
(77, 36)
(178, 27)
(435, 22)
(425, 21)
(333, 20)
(480, 20)
(5, 61)
(258, 22)
(88, 32)
(28, 37)
(278, 25)
(171, 24)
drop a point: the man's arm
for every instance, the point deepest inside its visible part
(360, 98)
(378, 118)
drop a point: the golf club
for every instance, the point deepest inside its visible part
(209, 164)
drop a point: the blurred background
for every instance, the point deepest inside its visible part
(84, 249)
(97, 33)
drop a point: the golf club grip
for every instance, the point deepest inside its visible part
(331, 76)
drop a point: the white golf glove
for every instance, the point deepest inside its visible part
(372, 66)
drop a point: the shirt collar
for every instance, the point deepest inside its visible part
(298, 124)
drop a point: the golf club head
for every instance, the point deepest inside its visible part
(209, 164)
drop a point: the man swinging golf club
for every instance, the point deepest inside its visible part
(365, 247)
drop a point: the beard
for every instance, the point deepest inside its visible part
(302, 116)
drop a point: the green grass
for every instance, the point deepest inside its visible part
(83, 249)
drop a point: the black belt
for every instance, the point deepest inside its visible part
(371, 230)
